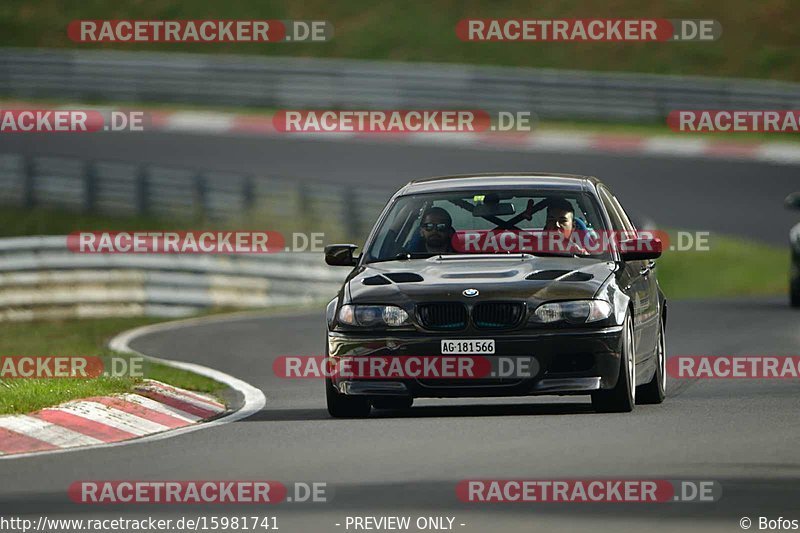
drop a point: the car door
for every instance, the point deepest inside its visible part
(639, 283)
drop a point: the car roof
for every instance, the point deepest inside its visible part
(537, 180)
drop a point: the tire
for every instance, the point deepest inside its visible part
(656, 390)
(622, 398)
(393, 403)
(341, 406)
(795, 294)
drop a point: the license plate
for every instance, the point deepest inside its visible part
(468, 347)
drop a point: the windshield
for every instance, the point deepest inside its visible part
(488, 221)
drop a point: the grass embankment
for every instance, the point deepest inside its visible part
(79, 338)
(758, 38)
(731, 267)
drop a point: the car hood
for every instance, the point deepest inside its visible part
(444, 278)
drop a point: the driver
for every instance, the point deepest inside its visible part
(436, 230)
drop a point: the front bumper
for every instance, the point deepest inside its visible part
(567, 362)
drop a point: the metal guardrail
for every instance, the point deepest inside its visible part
(284, 82)
(124, 188)
(41, 278)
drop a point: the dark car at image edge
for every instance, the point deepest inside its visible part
(595, 325)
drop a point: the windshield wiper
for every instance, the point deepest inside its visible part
(558, 254)
(409, 255)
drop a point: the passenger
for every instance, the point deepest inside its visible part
(560, 217)
(561, 220)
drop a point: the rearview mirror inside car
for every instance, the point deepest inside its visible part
(340, 255)
(486, 210)
(793, 201)
(640, 249)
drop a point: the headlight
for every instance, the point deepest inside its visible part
(575, 312)
(373, 315)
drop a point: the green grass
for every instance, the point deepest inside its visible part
(15, 221)
(78, 337)
(731, 267)
(759, 39)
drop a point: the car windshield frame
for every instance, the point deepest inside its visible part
(586, 200)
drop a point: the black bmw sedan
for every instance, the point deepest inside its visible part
(498, 285)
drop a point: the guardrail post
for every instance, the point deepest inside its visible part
(248, 193)
(142, 191)
(29, 182)
(90, 187)
(303, 204)
(351, 212)
(200, 195)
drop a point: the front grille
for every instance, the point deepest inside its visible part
(443, 316)
(498, 315)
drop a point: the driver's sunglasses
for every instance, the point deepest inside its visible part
(430, 226)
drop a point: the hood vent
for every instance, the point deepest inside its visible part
(404, 277)
(397, 277)
(565, 275)
(376, 280)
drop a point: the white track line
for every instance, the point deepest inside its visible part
(254, 399)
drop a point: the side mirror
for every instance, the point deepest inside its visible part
(640, 249)
(793, 201)
(340, 255)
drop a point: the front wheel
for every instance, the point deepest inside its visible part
(622, 397)
(656, 390)
(342, 406)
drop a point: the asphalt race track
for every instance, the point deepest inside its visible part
(742, 434)
(734, 197)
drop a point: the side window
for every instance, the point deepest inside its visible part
(616, 219)
(626, 221)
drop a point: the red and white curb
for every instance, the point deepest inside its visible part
(154, 408)
(542, 141)
(156, 411)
